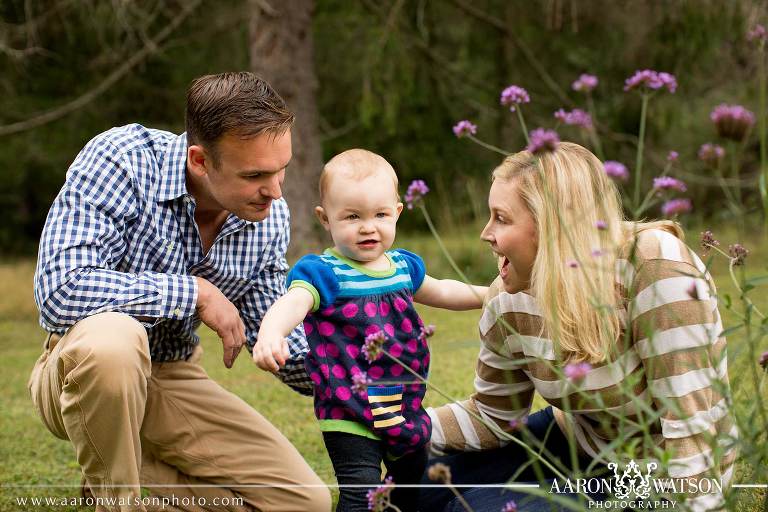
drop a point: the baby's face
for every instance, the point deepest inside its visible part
(362, 215)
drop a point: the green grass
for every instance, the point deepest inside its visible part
(32, 456)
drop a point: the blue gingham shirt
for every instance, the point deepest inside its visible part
(121, 236)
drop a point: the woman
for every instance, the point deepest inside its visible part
(615, 324)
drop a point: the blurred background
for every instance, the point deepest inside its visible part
(390, 76)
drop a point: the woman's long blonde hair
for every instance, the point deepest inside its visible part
(581, 229)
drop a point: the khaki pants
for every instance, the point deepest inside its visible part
(166, 426)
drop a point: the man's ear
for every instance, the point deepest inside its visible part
(399, 210)
(197, 160)
(322, 217)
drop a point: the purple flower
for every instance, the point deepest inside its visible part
(668, 183)
(360, 382)
(426, 332)
(543, 141)
(757, 34)
(764, 361)
(378, 499)
(601, 225)
(572, 263)
(516, 424)
(416, 192)
(708, 241)
(596, 253)
(509, 506)
(513, 96)
(464, 128)
(585, 83)
(732, 121)
(738, 253)
(672, 156)
(676, 207)
(577, 371)
(711, 154)
(651, 80)
(373, 346)
(575, 117)
(616, 170)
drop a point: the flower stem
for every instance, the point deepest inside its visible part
(640, 144)
(593, 132)
(762, 127)
(522, 124)
(487, 146)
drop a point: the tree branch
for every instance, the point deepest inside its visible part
(149, 48)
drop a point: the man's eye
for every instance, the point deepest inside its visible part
(253, 176)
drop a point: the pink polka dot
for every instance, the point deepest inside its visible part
(328, 311)
(370, 309)
(415, 364)
(320, 413)
(324, 370)
(396, 370)
(407, 326)
(375, 372)
(343, 393)
(320, 350)
(394, 432)
(424, 430)
(416, 404)
(352, 351)
(389, 329)
(409, 425)
(421, 322)
(332, 350)
(308, 328)
(315, 378)
(384, 308)
(415, 439)
(354, 370)
(412, 345)
(338, 371)
(427, 421)
(349, 331)
(400, 304)
(415, 388)
(425, 360)
(326, 329)
(327, 392)
(349, 310)
(372, 329)
(367, 414)
(337, 413)
(396, 349)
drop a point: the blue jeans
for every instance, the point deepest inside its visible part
(498, 466)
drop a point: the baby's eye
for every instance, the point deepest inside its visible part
(352, 216)
(381, 215)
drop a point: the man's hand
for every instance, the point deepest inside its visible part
(218, 313)
(270, 351)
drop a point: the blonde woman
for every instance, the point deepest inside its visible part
(613, 323)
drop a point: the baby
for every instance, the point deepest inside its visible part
(356, 299)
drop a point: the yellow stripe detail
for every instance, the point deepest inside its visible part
(388, 423)
(385, 398)
(383, 410)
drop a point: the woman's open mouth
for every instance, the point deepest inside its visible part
(503, 266)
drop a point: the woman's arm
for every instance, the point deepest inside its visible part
(271, 349)
(503, 392)
(450, 294)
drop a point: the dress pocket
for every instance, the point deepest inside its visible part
(386, 405)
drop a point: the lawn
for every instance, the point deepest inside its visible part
(33, 457)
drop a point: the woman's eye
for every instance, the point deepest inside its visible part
(500, 219)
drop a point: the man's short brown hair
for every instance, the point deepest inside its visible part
(239, 103)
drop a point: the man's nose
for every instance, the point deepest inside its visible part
(272, 188)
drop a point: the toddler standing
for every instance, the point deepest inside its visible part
(356, 299)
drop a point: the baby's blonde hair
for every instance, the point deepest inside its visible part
(568, 194)
(357, 164)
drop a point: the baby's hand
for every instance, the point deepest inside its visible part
(270, 352)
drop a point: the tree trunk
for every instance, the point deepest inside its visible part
(282, 52)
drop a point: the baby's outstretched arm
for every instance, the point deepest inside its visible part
(450, 294)
(271, 349)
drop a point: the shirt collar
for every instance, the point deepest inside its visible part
(173, 173)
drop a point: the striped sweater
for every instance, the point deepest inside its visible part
(671, 374)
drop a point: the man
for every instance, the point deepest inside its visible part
(151, 234)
